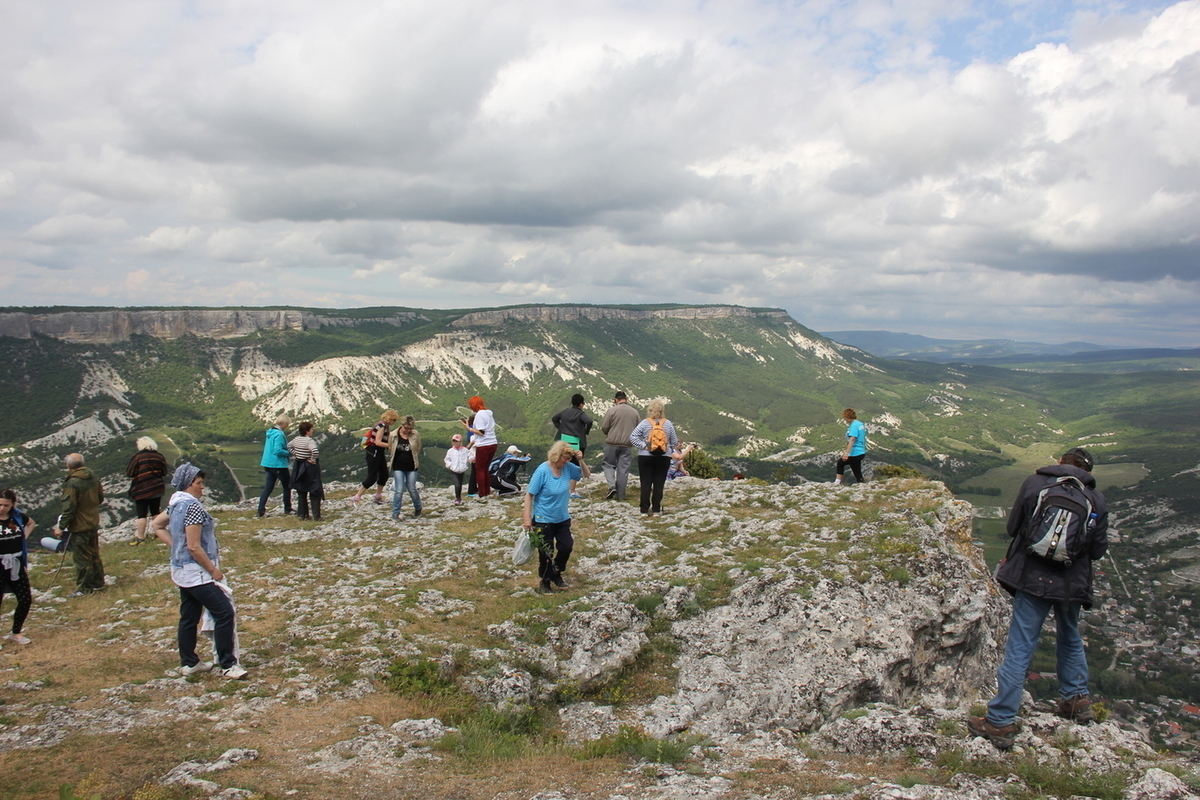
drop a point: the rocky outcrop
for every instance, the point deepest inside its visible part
(499, 316)
(901, 617)
(107, 326)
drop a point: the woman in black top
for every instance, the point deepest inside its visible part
(404, 453)
(376, 452)
(15, 528)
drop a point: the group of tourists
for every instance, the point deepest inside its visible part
(185, 526)
(1058, 528)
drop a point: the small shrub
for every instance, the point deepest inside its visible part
(647, 603)
(887, 471)
(637, 744)
(951, 728)
(700, 464)
(419, 677)
(491, 735)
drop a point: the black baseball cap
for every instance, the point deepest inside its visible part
(1082, 455)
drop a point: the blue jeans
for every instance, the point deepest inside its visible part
(404, 482)
(1029, 613)
(274, 474)
(192, 602)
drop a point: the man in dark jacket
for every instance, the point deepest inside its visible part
(573, 425)
(82, 495)
(1039, 586)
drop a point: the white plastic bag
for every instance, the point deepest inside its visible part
(522, 550)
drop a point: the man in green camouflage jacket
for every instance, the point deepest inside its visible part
(82, 495)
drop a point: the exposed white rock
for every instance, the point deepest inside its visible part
(601, 642)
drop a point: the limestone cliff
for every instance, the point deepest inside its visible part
(106, 326)
(499, 316)
(117, 325)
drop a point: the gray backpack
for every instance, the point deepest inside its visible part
(1061, 522)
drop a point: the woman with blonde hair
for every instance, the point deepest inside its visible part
(146, 471)
(404, 455)
(547, 514)
(275, 465)
(375, 447)
(656, 443)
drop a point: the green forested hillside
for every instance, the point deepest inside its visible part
(756, 390)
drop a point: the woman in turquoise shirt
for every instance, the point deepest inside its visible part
(547, 509)
(856, 447)
(275, 465)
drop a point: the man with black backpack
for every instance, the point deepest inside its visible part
(1059, 526)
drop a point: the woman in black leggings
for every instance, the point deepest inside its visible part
(15, 528)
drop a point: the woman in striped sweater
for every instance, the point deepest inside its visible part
(306, 472)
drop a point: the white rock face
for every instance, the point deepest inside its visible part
(601, 642)
(784, 653)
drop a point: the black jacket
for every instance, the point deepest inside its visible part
(1021, 572)
(573, 422)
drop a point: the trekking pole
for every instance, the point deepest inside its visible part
(61, 561)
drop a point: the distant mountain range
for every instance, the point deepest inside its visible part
(888, 344)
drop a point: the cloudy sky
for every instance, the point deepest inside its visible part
(1000, 168)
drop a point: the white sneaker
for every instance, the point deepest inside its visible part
(203, 666)
(18, 638)
(235, 672)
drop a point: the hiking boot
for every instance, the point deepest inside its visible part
(544, 588)
(1077, 709)
(416, 512)
(1002, 738)
(559, 582)
(612, 494)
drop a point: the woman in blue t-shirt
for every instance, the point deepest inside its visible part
(548, 516)
(856, 447)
